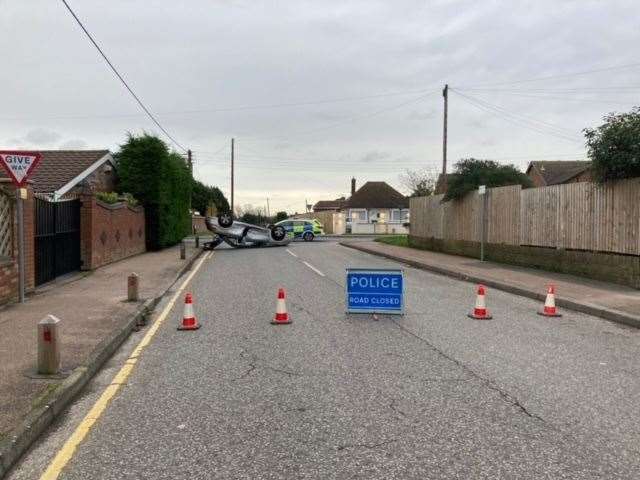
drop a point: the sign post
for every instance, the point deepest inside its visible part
(19, 165)
(482, 191)
(375, 290)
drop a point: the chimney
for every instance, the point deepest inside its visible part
(353, 185)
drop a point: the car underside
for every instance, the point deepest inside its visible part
(243, 235)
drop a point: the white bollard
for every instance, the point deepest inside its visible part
(48, 346)
(133, 284)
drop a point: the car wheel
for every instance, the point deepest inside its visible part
(225, 219)
(307, 237)
(278, 233)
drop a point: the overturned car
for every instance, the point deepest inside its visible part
(241, 235)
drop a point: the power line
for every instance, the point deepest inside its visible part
(520, 120)
(566, 75)
(545, 96)
(346, 120)
(232, 109)
(142, 105)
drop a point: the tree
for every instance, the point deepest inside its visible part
(419, 183)
(161, 181)
(614, 146)
(470, 173)
(280, 216)
(205, 196)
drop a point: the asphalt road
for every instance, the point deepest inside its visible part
(432, 394)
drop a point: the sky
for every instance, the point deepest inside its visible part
(317, 92)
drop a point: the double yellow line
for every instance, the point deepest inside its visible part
(68, 449)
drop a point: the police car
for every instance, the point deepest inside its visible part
(302, 228)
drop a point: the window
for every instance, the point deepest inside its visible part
(395, 215)
(405, 215)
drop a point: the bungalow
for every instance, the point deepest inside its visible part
(376, 207)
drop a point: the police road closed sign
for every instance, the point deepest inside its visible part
(19, 165)
(375, 291)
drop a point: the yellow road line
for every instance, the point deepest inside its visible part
(68, 449)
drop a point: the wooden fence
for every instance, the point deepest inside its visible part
(578, 216)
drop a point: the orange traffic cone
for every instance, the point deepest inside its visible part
(282, 317)
(480, 311)
(549, 309)
(189, 321)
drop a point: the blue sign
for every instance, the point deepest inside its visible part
(375, 291)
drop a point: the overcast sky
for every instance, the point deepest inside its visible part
(197, 64)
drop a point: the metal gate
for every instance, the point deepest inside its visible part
(57, 238)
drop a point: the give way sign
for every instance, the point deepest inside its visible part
(19, 165)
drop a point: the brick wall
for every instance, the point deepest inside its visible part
(198, 225)
(109, 232)
(9, 265)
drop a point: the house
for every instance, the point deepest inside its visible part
(376, 207)
(329, 205)
(545, 173)
(64, 172)
(64, 233)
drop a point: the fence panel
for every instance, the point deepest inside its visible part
(616, 222)
(462, 218)
(539, 212)
(578, 216)
(426, 216)
(503, 215)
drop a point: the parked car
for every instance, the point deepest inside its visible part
(307, 229)
(239, 234)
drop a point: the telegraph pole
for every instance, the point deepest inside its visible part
(190, 161)
(445, 94)
(232, 152)
(268, 211)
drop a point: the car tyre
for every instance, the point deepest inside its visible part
(308, 236)
(225, 219)
(278, 233)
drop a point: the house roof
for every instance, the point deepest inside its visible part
(58, 168)
(377, 195)
(555, 172)
(329, 204)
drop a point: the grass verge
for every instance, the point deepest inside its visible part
(397, 240)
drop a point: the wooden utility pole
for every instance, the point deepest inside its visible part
(445, 94)
(232, 152)
(190, 161)
(268, 211)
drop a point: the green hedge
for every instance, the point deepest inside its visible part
(161, 181)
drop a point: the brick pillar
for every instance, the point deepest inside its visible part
(86, 230)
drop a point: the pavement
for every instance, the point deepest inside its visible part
(613, 302)
(431, 394)
(91, 306)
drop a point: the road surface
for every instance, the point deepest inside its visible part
(432, 394)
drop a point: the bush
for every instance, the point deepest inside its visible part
(113, 197)
(614, 146)
(471, 173)
(280, 216)
(205, 196)
(108, 197)
(161, 181)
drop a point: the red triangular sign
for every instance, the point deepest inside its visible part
(19, 165)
